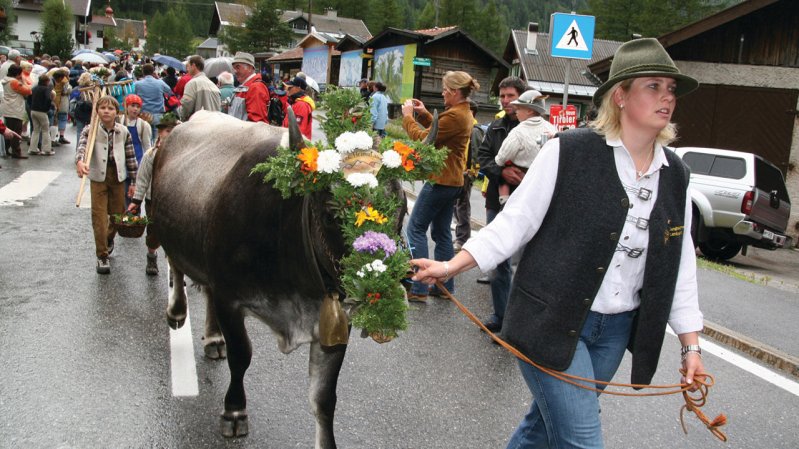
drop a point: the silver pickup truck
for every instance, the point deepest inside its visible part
(739, 199)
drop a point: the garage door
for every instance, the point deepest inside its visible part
(750, 119)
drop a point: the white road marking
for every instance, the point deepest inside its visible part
(27, 186)
(746, 365)
(182, 363)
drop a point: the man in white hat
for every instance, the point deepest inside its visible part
(524, 141)
(251, 100)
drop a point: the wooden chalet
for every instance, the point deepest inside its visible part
(447, 48)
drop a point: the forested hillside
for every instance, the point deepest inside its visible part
(487, 20)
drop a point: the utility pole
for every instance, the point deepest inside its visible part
(310, 14)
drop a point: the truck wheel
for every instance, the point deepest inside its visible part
(719, 248)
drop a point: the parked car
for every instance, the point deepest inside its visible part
(739, 199)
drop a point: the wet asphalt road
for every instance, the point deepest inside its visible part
(85, 361)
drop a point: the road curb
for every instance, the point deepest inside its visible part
(760, 351)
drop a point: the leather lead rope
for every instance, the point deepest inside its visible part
(693, 403)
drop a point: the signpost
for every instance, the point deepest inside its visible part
(423, 62)
(563, 119)
(572, 37)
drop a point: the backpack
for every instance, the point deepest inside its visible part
(171, 102)
(274, 112)
(82, 110)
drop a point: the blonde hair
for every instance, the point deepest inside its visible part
(461, 81)
(608, 119)
(85, 79)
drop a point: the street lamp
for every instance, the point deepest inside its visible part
(37, 42)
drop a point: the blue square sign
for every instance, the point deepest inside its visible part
(571, 35)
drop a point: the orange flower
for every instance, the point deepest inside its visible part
(402, 149)
(407, 164)
(308, 157)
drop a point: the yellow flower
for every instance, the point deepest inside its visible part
(369, 214)
(308, 157)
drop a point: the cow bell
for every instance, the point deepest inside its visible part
(333, 323)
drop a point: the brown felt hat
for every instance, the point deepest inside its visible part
(643, 58)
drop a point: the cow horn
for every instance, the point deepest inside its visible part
(431, 136)
(296, 141)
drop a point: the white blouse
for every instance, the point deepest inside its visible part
(619, 292)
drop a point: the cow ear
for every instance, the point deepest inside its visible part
(296, 142)
(431, 136)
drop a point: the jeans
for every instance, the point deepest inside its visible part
(156, 120)
(500, 277)
(433, 209)
(79, 125)
(563, 416)
(62, 122)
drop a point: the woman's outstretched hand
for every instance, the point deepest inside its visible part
(429, 271)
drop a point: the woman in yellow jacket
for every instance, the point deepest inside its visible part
(434, 205)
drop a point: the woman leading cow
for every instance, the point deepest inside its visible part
(603, 216)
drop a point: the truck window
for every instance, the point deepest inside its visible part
(699, 163)
(728, 167)
(768, 178)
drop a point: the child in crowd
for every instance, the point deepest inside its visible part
(144, 187)
(525, 140)
(140, 131)
(41, 101)
(113, 160)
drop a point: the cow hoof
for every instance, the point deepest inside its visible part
(215, 349)
(234, 424)
(175, 323)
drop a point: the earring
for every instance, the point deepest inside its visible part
(621, 106)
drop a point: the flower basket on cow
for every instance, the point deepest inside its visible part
(129, 225)
(362, 178)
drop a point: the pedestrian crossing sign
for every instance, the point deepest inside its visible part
(571, 35)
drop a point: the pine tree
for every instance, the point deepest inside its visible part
(261, 31)
(57, 28)
(170, 33)
(491, 30)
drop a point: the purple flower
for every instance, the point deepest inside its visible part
(372, 241)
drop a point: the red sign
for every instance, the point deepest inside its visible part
(563, 119)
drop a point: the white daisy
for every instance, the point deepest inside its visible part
(392, 159)
(329, 161)
(360, 179)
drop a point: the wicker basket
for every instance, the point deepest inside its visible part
(129, 230)
(133, 231)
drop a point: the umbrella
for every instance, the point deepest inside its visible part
(91, 57)
(170, 62)
(81, 51)
(215, 66)
(110, 56)
(4, 50)
(312, 83)
(118, 51)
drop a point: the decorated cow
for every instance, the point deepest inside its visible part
(254, 250)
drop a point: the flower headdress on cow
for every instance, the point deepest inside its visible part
(358, 170)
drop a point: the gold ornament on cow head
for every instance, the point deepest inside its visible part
(358, 154)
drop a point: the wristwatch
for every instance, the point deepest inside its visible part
(690, 348)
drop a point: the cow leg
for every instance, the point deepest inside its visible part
(178, 304)
(324, 367)
(213, 341)
(234, 422)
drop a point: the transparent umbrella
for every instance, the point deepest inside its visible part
(215, 66)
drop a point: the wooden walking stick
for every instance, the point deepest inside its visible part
(94, 124)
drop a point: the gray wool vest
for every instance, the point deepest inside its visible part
(564, 264)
